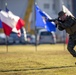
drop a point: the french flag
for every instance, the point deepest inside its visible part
(11, 22)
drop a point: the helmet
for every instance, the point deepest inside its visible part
(61, 13)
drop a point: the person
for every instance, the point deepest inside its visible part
(67, 23)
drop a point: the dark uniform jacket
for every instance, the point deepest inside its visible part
(69, 25)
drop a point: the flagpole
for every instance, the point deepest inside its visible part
(35, 27)
(6, 35)
(6, 43)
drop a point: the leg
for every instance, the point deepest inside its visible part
(70, 47)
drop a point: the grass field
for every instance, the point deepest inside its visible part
(40, 60)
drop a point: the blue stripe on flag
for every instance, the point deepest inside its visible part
(1, 24)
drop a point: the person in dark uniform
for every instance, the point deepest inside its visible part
(67, 23)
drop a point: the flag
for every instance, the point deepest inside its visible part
(66, 10)
(19, 22)
(49, 26)
(10, 22)
(39, 20)
(1, 24)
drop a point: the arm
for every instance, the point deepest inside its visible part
(68, 23)
(52, 20)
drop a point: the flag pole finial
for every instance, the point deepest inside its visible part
(5, 4)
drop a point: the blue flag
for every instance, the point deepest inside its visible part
(39, 20)
(49, 26)
(1, 24)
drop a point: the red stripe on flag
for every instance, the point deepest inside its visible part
(20, 24)
(7, 29)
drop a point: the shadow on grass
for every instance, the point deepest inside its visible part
(45, 68)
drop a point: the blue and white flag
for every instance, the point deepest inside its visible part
(40, 21)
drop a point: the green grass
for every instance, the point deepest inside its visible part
(40, 60)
